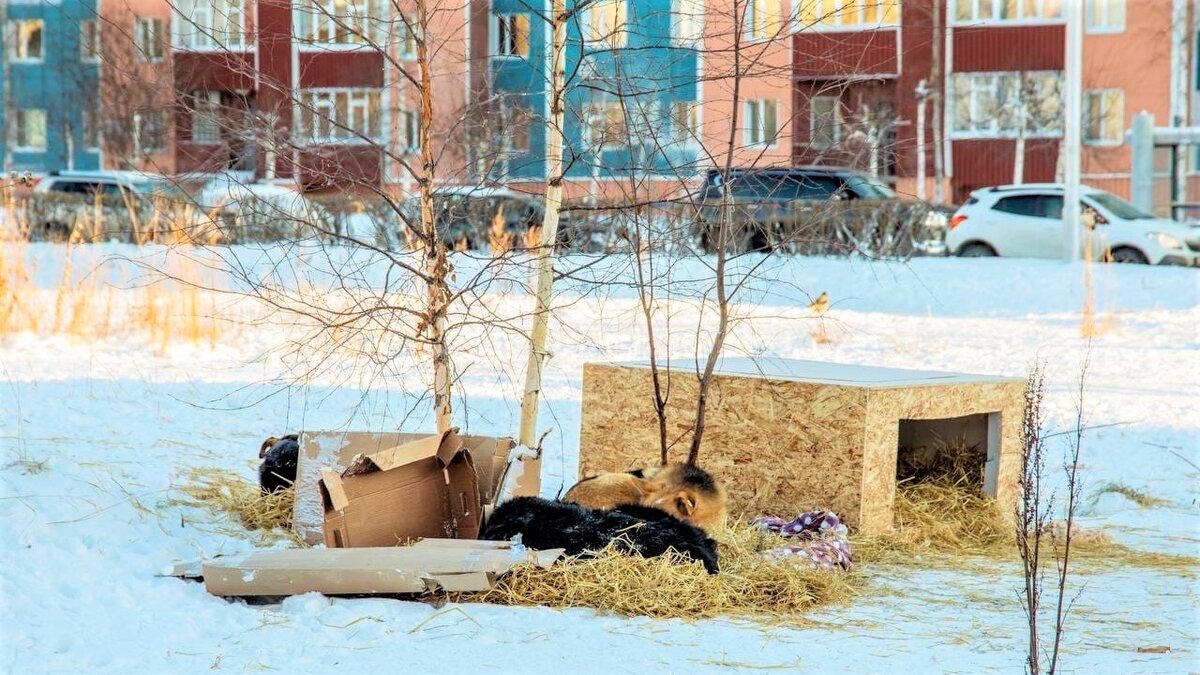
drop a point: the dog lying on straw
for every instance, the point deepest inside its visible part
(683, 490)
(631, 528)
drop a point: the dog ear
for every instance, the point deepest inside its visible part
(267, 445)
(686, 502)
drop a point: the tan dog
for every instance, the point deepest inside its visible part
(683, 490)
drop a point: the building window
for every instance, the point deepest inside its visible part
(1005, 105)
(29, 130)
(25, 40)
(687, 22)
(91, 128)
(1008, 10)
(603, 24)
(406, 38)
(150, 127)
(1104, 117)
(511, 35)
(209, 24)
(89, 40)
(762, 122)
(516, 122)
(1105, 16)
(684, 121)
(148, 35)
(206, 116)
(850, 14)
(825, 121)
(336, 22)
(604, 124)
(760, 19)
(410, 131)
(352, 115)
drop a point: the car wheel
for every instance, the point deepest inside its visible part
(1129, 256)
(977, 250)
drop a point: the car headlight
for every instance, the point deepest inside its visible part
(1165, 240)
(935, 220)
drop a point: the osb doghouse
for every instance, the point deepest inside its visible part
(786, 435)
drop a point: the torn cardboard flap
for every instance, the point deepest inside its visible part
(355, 571)
(445, 448)
(372, 489)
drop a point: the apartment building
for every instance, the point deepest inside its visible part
(894, 86)
(49, 83)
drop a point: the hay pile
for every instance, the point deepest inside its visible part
(942, 516)
(748, 586)
(224, 493)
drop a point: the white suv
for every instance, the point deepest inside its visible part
(1026, 221)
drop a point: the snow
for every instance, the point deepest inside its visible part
(95, 435)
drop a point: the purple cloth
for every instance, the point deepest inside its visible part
(822, 539)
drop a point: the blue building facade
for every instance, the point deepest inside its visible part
(633, 88)
(50, 85)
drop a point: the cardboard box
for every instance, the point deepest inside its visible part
(357, 490)
(429, 565)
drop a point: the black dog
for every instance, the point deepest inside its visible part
(279, 459)
(643, 530)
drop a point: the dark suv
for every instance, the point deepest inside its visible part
(799, 204)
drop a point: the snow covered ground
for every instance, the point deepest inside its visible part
(95, 434)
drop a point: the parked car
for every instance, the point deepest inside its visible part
(815, 209)
(467, 215)
(262, 212)
(1026, 221)
(62, 197)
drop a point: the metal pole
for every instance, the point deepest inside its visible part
(922, 96)
(1142, 182)
(1073, 99)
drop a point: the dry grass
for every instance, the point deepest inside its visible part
(1140, 497)
(85, 307)
(223, 493)
(748, 586)
(943, 517)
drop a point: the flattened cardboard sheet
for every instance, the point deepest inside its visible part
(429, 565)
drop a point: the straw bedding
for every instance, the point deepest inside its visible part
(941, 518)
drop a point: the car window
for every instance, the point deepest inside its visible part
(754, 185)
(71, 187)
(866, 187)
(1051, 206)
(111, 189)
(819, 188)
(1119, 207)
(1035, 206)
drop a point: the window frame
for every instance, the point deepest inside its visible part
(756, 123)
(814, 122)
(812, 11)
(316, 99)
(994, 17)
(1108, 27)
(689, 15)
(164, 131)
(90, 38)
(208, 111)
(18, 129)
(321, 14)
(510, 21)
(142, 54)
(996, 119)
(617, 36)
(1103, 95)
(12, 37)
(206, 37)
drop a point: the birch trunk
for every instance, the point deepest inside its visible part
(437, 266)
(545, 254)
